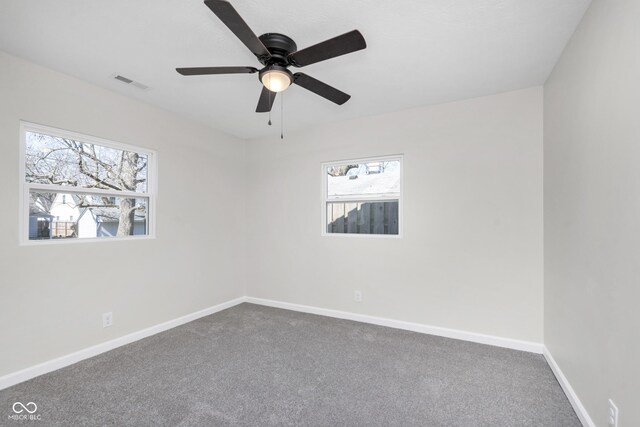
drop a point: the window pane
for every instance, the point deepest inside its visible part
(362, 217)
(66, 162)
(71, 216)
(379, 177)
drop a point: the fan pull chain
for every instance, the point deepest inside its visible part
(282, 116)
(269, 101)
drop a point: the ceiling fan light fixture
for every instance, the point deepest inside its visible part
(276, 78)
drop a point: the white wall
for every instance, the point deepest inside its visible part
(471, 254)
(195, 262)
(592, 210)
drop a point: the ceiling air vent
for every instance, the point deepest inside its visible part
(128, 81)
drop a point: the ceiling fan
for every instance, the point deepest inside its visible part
(277, 53)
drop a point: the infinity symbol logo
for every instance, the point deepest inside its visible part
(22, 407)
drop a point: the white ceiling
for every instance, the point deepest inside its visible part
(419, 52)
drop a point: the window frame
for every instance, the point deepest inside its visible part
(27, 187)
(362, 198)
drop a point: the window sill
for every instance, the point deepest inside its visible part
(383, 236)
(46, 242)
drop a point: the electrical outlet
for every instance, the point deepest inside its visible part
(613, 414)
(357, 296)
(107, 319)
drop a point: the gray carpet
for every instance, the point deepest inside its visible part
(255, 366)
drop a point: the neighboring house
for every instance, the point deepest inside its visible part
(53, 218)
(87, 224)
(39, 224)
(63, 217)
(103, 222)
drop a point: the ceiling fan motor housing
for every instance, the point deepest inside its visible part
(280, 46)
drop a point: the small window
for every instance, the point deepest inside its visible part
(105, 189)
(362, 196)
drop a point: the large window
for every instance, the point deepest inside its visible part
(362, 196)
(80, 187)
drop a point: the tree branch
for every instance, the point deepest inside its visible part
(51, 179)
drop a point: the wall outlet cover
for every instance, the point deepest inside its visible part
(357, 296)
(107, 319)
(612, 415)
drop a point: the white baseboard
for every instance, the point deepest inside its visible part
(581, 411)
(69, 359)
(529, 346)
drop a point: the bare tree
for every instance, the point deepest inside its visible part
(41, 202)
(340, 170)
(65, 162)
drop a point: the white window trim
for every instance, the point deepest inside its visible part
(361, 198)
(25, 187)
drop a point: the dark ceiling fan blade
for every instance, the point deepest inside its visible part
(341, 45)
(266, 100)
(199, 71)
(320, 88)
(232, 19)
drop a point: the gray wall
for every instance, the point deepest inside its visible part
(592, 210)
(471, 254)
(53, 296)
